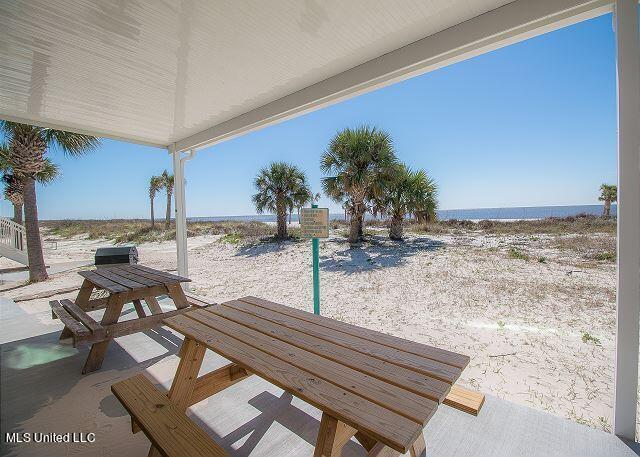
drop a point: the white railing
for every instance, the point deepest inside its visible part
(13, 235)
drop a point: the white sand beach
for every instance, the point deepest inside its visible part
(540, 331)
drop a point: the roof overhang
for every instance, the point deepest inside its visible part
(193, 73)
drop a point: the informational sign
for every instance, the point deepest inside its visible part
(314, 222)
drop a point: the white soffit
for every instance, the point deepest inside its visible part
(193, 72)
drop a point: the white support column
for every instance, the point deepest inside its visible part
(180, 209)
(628, 300)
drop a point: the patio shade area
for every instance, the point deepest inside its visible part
(185, 75)
(42, 389)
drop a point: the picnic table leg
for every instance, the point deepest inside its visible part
(177, 295)
(99, 350)
(153, 304)
(137, 304)
(418, 448)
(380, 450)
(366, 442)
(332, 436)
(185, 378)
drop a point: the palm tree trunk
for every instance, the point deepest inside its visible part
(282, 219)
(607, 208)
(37, 268)
(17, 214)
(395, 228)
(153, 220)
(167, 222)
(355, 230)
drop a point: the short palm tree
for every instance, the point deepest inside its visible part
(155, 184)
(608, 195)
(425, 198)
(167, 183)
(281, 186)
(28, 145)
(355, 161)
(397, 197)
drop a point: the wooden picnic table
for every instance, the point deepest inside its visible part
(376, 387)
(123, 284)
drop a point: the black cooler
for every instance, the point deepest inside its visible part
(116, 254)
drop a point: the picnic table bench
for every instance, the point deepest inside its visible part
(378, 388)
(123, 284)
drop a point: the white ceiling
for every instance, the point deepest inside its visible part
(157, 72)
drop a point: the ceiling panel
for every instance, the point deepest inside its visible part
(159, 71)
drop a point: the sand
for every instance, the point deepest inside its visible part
(539, 334)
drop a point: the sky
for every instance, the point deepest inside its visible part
(531, 124)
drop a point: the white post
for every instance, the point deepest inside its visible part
(628, 300)
(180, 210)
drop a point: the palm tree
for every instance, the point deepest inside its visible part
(355, 160)
(398, 197)
(425, 198)
(281, 186)
(155, 184)
(28, 145)
(14, 186)
(608, 195)
(167, 183)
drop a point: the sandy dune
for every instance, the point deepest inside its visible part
(540, 332)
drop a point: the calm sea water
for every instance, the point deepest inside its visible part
(530, 212)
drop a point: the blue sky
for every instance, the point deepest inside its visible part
(531, 124)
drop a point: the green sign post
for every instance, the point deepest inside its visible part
(314, 224)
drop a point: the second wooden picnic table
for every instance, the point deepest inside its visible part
(122, 284)
(378, 388)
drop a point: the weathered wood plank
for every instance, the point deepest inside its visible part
(83, 317)
(332, 436)
(196, 301)
(429, 367)
(430, 352)
(403, 402)
(177, 278)
(112, 275)
(127, 273)
(75, 327)
(168, 428)
(417, 383)
(465, 400)
(386, 426)
(103, 282)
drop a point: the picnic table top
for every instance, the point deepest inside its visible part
(384, 386)
(124, 278)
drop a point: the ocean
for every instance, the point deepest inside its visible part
(524, 212)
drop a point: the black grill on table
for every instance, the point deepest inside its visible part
(115, 255)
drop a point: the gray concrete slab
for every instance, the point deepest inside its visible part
(43, 391)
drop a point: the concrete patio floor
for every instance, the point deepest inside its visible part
(43, 391)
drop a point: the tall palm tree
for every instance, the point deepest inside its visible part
(28, 145)
(155, 184)
(167, 182)
(281, 186)
(355, 160)
(608, 195)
